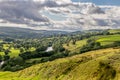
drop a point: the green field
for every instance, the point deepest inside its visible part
(103, 39)
(76, 47)
(1, 53)
(108, 39)
(114, 30)
(13, 52)
(79, 67)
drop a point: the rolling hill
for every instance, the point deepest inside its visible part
(100, 64)
(105, 40)
(95, 65)
(27, 33)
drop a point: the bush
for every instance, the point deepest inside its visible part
(58, 48)
(30, 55)
(18, 60)
(91, 45)
(45, 59)
(105, 72)
(43, 48)
(1, 58)
(58, 55)
(6, 57)
(116, 43)
(7, 68)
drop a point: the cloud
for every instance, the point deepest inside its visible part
(17, 12)
(94, 9)
(57, 15)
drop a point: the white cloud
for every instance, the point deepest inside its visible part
(57, 15)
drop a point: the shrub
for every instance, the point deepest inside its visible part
(6, 57)
(105, 72)
(91, 45)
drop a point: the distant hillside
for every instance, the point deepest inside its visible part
(27, 33)
(114, 31)
(95, 65)
(105, 40)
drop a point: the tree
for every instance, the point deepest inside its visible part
(106, 32)
(1, 48)
(9, 39)
(6, 57)
(41, 48)
(116, 43)
(91, 45)
(89, 40)
(7, 52)
(1, 58)
(58, 48)
(21, 50)
(84, 49)
(18, 60)
(67, 44)
(74, 42)
(97, 45)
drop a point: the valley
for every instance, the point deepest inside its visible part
(59, 40)
(92, 52)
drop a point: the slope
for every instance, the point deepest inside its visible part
(88, 66)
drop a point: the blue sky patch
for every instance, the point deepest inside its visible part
(101, 2)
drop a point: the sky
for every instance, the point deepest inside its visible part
(58, 15)
(101, 2)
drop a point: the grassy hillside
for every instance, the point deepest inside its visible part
(0, 40)
(103, 39)
(114, 30)
(95, 65)
(76, 47)
(108, 39)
